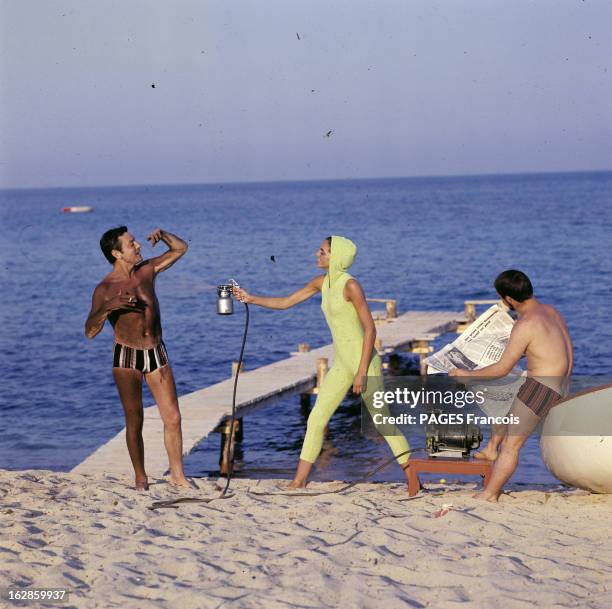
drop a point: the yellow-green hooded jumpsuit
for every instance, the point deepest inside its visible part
(347, 334)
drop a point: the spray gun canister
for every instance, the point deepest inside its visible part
(225, 304)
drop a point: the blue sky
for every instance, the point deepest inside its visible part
(248, 91)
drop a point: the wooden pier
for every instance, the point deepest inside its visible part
(203, 411)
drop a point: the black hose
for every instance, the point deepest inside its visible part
(171, 503)
(228, 444)
(350, 484)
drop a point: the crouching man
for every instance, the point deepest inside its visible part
(542, 336)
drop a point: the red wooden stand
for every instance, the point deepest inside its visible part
(445, 465)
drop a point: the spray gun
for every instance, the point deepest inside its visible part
(225, 304)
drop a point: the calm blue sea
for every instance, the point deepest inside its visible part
(429, 242)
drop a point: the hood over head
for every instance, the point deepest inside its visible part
(343, 252)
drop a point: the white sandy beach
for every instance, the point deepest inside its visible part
(368, 547)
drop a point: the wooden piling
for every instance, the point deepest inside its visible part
(235, 368)
(322, 368)
(229, 437)
(470, 312)
(390, 306)
(422, 347)
(304, 397)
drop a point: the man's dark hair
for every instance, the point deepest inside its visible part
(110, 241)
(514, 284)
(328, 239)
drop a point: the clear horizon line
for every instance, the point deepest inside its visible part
(310, 180)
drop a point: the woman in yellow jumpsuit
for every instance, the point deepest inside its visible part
(356, 363)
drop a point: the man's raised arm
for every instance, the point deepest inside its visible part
(177, 246)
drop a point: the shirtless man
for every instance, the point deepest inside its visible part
(126, 296)
(541, 335)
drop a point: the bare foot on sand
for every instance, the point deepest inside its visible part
(484, 496)
(488, 453)
(142, 484)
(183, 482)
(294, 484)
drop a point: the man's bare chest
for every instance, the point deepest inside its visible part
(141, 286)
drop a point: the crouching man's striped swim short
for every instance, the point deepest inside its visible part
(145, 360)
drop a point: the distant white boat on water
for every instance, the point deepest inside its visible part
(77, 209)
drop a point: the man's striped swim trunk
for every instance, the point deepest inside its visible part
(145, 360)
(539, 398)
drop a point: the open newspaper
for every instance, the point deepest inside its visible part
(481, 344)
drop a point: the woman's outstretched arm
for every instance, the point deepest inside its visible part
(283, 302)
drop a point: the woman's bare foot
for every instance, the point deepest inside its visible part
(296, 484)
(141, 484)
(300, 478)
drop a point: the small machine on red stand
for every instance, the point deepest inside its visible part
(448, 452)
